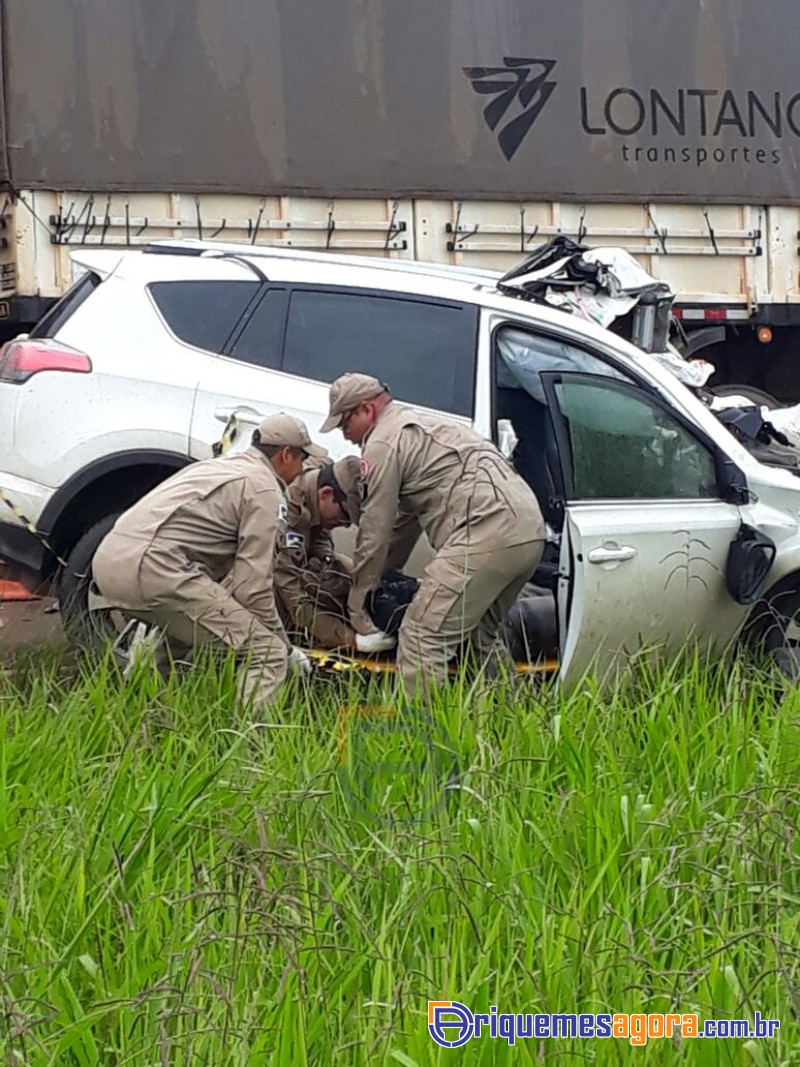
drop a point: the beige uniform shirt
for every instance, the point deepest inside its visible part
(223, 516)
(464, 493)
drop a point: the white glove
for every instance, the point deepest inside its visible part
(299, 663)
(376, 642)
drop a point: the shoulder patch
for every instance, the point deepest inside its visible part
(293, 539)
(283, 511)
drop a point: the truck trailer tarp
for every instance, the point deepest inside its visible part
(608, 100)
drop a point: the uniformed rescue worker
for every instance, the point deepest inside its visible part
(312, 580)
(481, 518)
(165, 559)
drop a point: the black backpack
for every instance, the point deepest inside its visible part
(388, 602)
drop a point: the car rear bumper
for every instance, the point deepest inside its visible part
(25, 555)
(24, 552)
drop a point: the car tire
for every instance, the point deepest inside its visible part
(84, 629)
(776, 622)
(758, 396)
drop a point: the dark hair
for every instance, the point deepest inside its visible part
(327, 480)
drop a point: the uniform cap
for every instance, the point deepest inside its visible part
(285, 430)
(347, 393)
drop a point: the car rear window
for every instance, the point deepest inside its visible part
(260, 341)
(65, 308)
(203, 313)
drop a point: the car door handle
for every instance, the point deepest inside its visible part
(611, 555)
(223, 414)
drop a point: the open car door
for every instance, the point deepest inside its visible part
(648, 524)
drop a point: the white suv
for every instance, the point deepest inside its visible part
(135, 372)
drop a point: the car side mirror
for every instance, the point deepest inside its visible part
(750, 560)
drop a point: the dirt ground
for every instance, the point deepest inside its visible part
(27, 622)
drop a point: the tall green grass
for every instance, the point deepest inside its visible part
(180, 884)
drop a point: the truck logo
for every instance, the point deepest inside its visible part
(524, 80)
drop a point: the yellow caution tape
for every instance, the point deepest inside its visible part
(229, 435)
(31, 528)
(26, 522)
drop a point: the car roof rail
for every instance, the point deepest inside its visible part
(175, 246)
(206, 253)
(172, 250)
(237, 258)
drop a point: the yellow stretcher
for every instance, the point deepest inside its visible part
(340, 662)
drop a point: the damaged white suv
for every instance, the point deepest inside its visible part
(138, 369)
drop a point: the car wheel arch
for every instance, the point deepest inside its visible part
(110, 484)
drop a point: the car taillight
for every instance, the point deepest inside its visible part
(20, 360)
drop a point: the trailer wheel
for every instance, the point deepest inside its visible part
(758, 396)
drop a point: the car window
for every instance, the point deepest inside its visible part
(260, 340)
(623, 445)
(423, 350)
(203, 313)
(54, 319)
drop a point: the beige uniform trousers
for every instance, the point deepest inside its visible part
(193, 609)
(464, 597)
